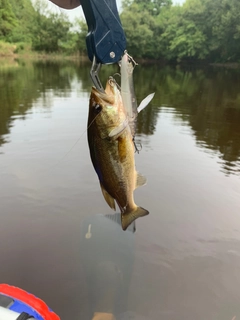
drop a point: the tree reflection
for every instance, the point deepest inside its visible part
(23, 83)
(17, 94)
(206, 99)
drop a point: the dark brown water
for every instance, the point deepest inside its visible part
(58, 238)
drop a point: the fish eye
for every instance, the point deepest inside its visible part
(97, 108)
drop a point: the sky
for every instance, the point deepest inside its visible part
(76, 13)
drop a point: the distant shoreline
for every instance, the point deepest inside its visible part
(232, 65)
(43, 56)
(33, 55)
(24, 51)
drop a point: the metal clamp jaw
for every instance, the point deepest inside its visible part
(105, 40)
(94, 75)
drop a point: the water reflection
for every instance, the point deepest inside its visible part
(107, 256)
(183, 262)
(206, 100)
(22, 86)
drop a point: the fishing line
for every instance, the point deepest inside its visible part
(76, 142)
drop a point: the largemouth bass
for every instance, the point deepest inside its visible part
(112, 152)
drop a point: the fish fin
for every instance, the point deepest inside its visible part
(109, 199)
(145, 102)
(128, 217)
(141, 180)
(116, 131)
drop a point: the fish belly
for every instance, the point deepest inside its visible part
(113, 160)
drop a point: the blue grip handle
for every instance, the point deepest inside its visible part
(105, 39)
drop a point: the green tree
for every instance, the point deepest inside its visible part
(139, 27)
(199, 29)
(219, 22)
(226, 30)
(152, 6)
(81, 31)
(7, 18)
(181, 36)
(49, 29)
(25, 16)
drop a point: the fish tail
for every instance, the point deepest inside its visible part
(129, 216)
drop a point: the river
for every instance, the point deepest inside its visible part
(59, 239)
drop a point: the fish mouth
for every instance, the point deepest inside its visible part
(110, 94)
(102, 98)
(111, 86)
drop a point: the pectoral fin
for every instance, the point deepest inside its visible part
(109, 199)
(117, 131)
(145, 102)
(140, 180)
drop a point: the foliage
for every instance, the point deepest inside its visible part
(182, 37)
(7, 18)
(153, 7)
(49, 31)
(226, 29)
(139, 29)
(155, 29)
(81, 33)
(6, 49)
(25, 15)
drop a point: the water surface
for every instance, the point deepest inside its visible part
(60, 240)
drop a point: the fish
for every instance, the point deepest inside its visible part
(112, 152)
(127, 66)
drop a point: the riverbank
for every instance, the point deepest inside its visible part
(7, 49)
(24, 51)
(226, 65)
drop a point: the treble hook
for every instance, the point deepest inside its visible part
(138, 147)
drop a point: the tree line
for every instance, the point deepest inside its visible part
(24, 23)
(155, 29)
